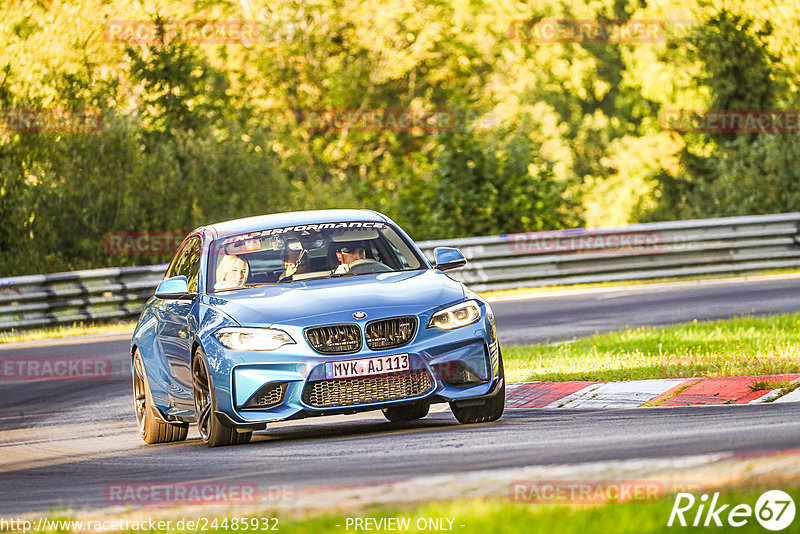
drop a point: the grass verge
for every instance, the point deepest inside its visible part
(734, 347)
(764, 385)
(75, 329)
(503, 516)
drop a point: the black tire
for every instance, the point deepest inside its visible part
(212, 431)
(409, 412)
(150, 428)
(491, 410)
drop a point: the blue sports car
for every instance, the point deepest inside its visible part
(293, 315)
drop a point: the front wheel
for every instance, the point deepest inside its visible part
(491, 410)
(212, 431)
(151, 429)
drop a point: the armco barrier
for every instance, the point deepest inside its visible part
(99, 295)
(636, 252)
(642, 251)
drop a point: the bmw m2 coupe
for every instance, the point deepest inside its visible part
(293, 315)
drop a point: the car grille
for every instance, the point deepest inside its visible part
(268, 396)
(334, 339)
(366, 390)
(390, 333)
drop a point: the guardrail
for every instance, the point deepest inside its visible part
(82, 296)
(635, 252)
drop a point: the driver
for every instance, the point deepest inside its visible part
(348, 255)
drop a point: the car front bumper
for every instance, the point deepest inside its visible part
(450, 366)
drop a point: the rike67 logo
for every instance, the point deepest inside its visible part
(774, 510)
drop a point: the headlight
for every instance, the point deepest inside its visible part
(456, 316)
(236, 338)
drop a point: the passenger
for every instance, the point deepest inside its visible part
(232, 272)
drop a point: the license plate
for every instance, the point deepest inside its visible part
(367, 366)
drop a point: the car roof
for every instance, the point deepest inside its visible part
(277, 220)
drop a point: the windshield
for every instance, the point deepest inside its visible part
(306, 252)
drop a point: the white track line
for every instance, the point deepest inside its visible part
(621, 394)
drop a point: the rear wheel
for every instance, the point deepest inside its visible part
(151, 429)
(409, 412)
(212, 431)
(491, 410)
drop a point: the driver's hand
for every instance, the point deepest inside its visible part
(290, 268)
(341, 269)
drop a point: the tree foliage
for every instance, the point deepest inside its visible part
(545, 135)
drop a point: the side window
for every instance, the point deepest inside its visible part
(189, 265)
(400, 261)
(176, 261)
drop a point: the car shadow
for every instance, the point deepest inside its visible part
(320, 430)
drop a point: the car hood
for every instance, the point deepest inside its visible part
(335, 300)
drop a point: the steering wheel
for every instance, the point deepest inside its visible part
(367, 266)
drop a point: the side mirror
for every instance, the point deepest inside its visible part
(176, 287)
(448, 258)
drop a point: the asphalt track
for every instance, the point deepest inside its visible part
(63, 442)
